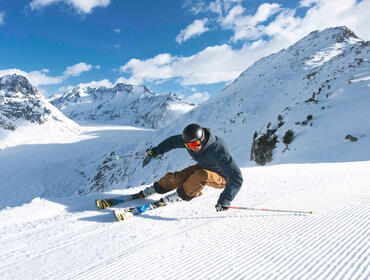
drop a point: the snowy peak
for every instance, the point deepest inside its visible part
(317, 41)
(316, 50)
(20, 101)
(311, 51)
(16, 84)
(89, 94)
(123, 104)
(338, 34)
(78, 94)
(123, 87)
(25, 113)
(130, 89)
(319, 47)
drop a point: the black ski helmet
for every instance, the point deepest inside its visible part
(192, 133)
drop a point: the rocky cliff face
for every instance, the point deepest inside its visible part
(22, 106)
(20, 100)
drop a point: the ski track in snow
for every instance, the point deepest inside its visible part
(192, 241)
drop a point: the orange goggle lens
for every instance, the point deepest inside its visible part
(193, 145)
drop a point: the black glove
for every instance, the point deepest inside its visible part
(220, 207)
(150, 153)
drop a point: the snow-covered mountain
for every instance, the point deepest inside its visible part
(122, 104)
(26, 116)
(307, 103)
(318, 89)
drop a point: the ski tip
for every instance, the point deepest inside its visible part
(104, 203)
(98, 204)
(122, 215)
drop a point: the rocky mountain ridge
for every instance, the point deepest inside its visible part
(19, 99)
(123, 104)
(24, 112)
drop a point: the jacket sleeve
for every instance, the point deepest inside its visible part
(234, 180)
(170, 143)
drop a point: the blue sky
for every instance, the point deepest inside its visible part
(192, 47)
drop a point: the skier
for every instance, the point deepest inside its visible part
(215, 167)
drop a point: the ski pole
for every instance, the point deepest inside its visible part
(270, 210)
(130, 155)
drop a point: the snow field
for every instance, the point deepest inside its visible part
(189, 240)
(60, 169)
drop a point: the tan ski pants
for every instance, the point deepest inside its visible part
(193, 179)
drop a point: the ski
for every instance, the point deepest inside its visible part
(127, 213)
(108, 202)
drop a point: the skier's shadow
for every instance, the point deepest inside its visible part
(101, 218)
(108, 217)
(158, 218)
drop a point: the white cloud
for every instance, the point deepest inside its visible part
(247, 26)
(92, 84)
(82, 6)
(153, 69)
(321, 14)
(360, 24)
(64, 89)
(122, 80)
(195, 6)
(77, 69)
(197, 98)
(329, 13)
(194, 29)
(307, 3)
(95, 84)
(2, 18)
(215, 7)
(212, 65)
(117, 31)
(287, 28)
(36, 78)
(232, 15)
(264, 12)
(218, 6)
(40, 77)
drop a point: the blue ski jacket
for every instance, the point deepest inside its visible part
(213, 156)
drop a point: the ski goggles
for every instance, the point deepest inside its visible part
(193, 145)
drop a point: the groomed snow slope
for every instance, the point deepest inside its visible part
(69, 239)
